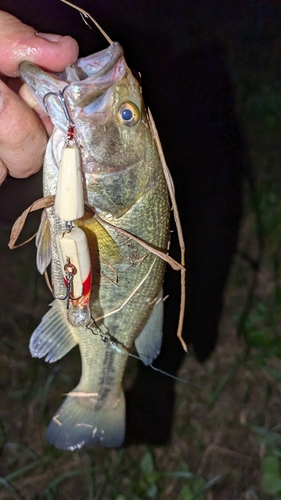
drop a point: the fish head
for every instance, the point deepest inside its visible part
(104, 101)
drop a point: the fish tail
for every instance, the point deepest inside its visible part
(79, 422)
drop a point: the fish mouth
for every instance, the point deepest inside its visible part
(96, 65)
(84, 81)
(92, 76)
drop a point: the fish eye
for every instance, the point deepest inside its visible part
(129, 114)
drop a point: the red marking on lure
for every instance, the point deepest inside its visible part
(87, 285)
(70, 133)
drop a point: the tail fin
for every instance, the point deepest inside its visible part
(79, 423)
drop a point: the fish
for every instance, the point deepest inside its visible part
(126, 194)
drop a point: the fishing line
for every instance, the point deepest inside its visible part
(113, 345)
(175, 377)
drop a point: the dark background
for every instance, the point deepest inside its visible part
(186, 84)
(193, 56)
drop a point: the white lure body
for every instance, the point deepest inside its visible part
(69, 200)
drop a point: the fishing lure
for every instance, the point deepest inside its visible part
(72, 243)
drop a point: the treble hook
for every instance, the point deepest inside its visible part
(60, 96)
(70, 270)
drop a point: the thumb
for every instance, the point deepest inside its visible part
(20, 42)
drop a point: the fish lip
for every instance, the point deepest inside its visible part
(29, 73)
(85, 82)
(58, 81)
(111, 55)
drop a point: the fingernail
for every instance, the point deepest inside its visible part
(27, 96)
(51, 37)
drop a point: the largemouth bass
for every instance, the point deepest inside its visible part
(124, 184)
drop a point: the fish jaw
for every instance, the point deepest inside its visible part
(111, 67)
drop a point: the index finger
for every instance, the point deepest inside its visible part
(20, 42)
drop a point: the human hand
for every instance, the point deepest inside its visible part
(24, 126)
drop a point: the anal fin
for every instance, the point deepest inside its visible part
(148, 343)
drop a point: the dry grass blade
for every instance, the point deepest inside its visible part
(170, 185)
(130, 296)
(173, 263)
(85, 14)
(171, 190)
(48, 201)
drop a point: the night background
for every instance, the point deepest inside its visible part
(211, 76)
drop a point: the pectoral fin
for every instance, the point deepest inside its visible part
(54, 337)
(148, 343)
(108, 249)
